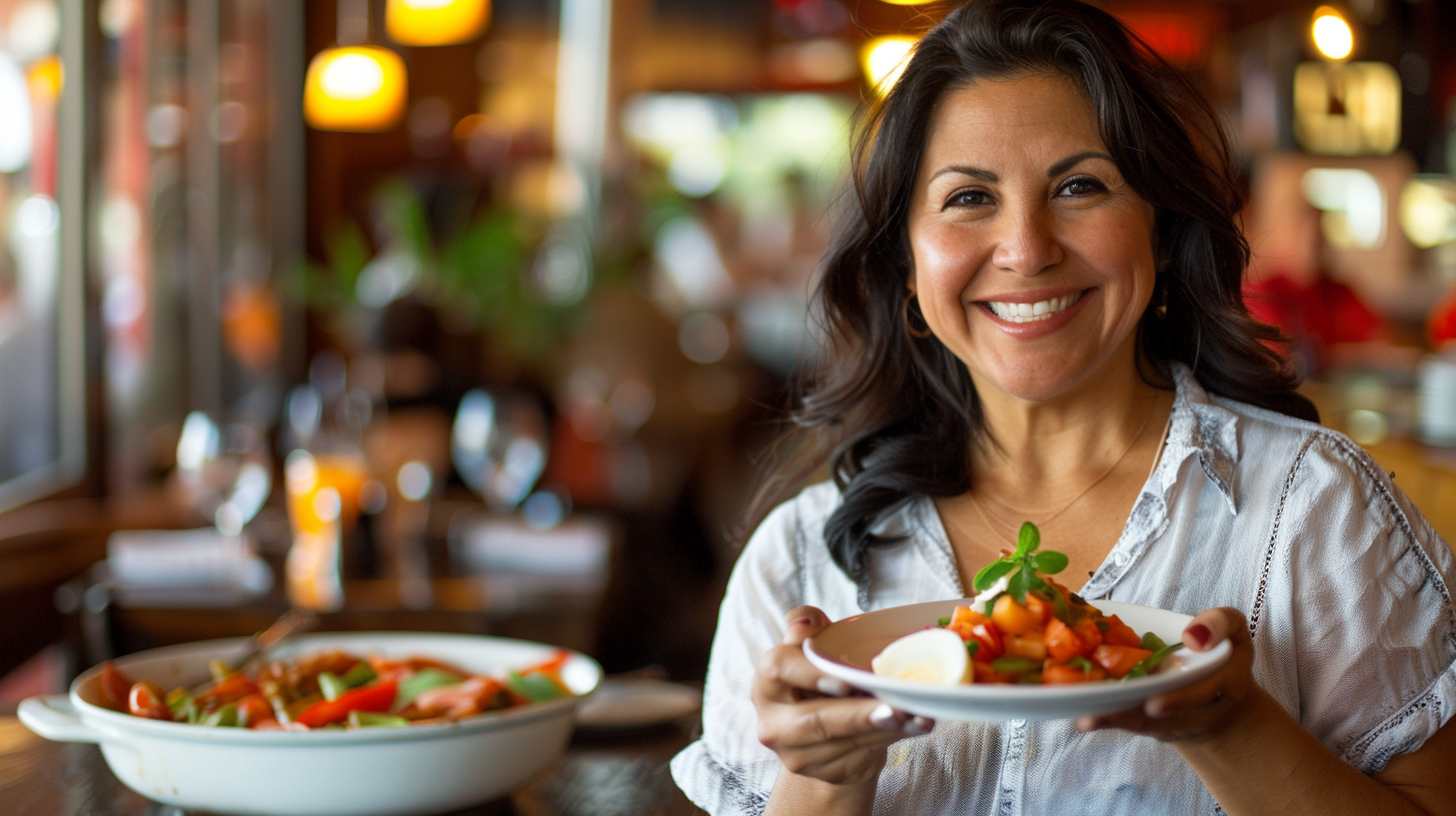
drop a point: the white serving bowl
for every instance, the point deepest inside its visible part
(418, 769)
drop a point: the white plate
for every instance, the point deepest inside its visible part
(844, 650)
(635, 702)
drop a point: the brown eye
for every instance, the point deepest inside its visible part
(967, 198)
(1081, 186)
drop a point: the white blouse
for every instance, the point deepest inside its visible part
(1345, 585)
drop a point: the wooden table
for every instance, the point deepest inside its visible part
(601, 775)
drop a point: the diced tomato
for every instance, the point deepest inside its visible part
(1061, 642)
(145, 700)
(1088, 635)
(254, 710)
(1013, 618)
(1120, 634)
(376, 698)
(229, 689)
(1118, 660)
(1058, 673)
(115, 687)
(1039, 607)
(986, 634)
(965, 616)
(1030, 645)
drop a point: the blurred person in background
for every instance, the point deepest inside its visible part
(1034, 313)
(1325, 321)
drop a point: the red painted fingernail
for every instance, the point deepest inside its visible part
(1200, 633)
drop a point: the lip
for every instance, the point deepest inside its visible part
(1037, 328)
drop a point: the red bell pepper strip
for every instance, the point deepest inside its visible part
(377, 698)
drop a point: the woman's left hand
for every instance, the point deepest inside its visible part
(1203, 709)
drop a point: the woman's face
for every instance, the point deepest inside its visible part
(1033, 258)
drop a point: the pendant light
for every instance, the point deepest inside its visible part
(355, 86)
(435, 22)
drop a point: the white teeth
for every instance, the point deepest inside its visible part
(1028, 312)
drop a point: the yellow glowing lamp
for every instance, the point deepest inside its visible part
(435, 22)
(355, 88)
(1332, 34)
(884, 60)
(1428, 210)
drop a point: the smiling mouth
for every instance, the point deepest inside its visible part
(1032, 312)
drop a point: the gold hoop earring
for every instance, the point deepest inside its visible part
(918, 334)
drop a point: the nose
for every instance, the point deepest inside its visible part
(1027, 242)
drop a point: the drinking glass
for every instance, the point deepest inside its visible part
(498, 444)
(225, 469)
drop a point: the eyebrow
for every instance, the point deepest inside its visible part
(986, 175)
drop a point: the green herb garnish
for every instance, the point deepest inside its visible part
(942, 622)
(1023, 566)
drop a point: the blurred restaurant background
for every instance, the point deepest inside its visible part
(481, 315)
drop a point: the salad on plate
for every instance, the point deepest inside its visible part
(334, 689)
(1024, 628)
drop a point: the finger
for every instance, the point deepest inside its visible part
(824, 720)
(1213, 626)
(785, 675)
(1205, 694)
(804, 622)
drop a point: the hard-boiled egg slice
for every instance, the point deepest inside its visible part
(929, 656)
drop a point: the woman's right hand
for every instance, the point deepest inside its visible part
(812, 721)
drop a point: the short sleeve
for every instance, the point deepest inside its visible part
(727, 770)
(1367, 613)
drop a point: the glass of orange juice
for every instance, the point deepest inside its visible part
(323, 502)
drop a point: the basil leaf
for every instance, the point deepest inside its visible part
(1016, 587)
(1028, 538)
(1050, 562)
(991, 573)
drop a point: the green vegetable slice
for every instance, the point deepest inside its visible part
(1015, 665)
(331, 685)
(1146, 666)
(369, 719)
(359, 674)
(421, 682)
(225, 717)
(538, 688)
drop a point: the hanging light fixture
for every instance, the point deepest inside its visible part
(355, 86)
(435, 22)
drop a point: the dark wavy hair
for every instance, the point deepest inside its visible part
(895, 416)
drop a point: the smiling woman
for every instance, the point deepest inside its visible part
(1033, 308)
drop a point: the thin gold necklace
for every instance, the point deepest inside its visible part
(987, 516)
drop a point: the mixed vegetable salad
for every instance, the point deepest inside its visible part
(1034, 630)
(335, 689)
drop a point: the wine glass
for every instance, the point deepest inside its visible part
(498, 445)
(225, 468)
